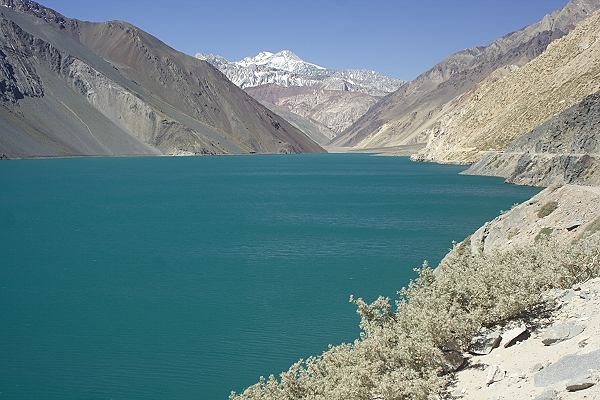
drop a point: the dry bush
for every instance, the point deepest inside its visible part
(547, 209)
(399, 354)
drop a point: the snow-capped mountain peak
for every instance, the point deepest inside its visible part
(286, 69)
(284, 60)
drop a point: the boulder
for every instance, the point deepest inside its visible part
(574, 224)
(537, 367)
(514, 335)
(484, 343)
(569, 294)
(560, 333)
(451, 346)
(453, 360)
(568, 367)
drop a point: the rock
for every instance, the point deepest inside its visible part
(495, 374)
(451, 346)
(514, 335)
(582, 382)
(548, 395)
(484, 343)
(453, 356)
(574, 224)
(567, 367)
(584, 294)
(560, 333)
(569, 294)
(453, 360)
(583, 342)
(459, 392)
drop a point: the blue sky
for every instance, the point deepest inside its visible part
(400, 38)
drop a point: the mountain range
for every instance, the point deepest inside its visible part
(507, 106)
(286, 69)
(74, 88)
(332, 99)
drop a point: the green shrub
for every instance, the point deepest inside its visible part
(398, 355)
(547, 209)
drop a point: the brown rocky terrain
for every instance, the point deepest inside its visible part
(73, 88)
(402, 116)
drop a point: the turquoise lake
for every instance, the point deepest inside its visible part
(190, 277)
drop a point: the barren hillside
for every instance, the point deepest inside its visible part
(76, 88)
(503, 110)
(402, 116)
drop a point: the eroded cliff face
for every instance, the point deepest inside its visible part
(60, 98)
(402, 116)
(135, 116)
(565, 149)
(16, 83)
(39, 114)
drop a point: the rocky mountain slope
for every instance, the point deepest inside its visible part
(402, 116)
(561, 212)
(565, 149)
(73, 88)
(315, 130)
(335, 98)
(502, 110)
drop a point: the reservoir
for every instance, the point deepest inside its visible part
(190, 277)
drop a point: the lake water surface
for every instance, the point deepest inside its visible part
(189, 277)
